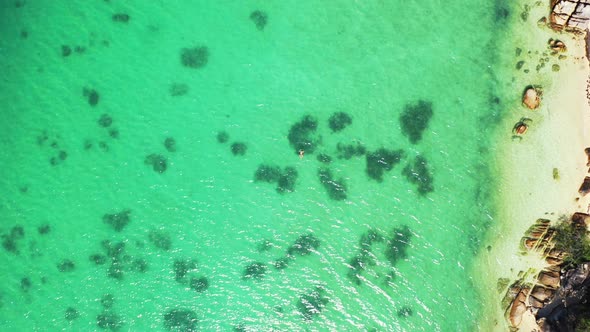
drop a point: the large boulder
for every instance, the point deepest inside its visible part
(531, 97)
(571, 15)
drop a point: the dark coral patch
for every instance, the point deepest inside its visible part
(324, 158)
(25, 284)
(92, 96)
(170, 144)
(347, 151)
(109, 321)
(117, 220)
(286, 182)
(181, 267)
(195, 57)
(178, 320)
(66, 265)
(339, 120)
(255, 270)
(259, 18)
(222, 137)
(417, 173)
(336, 188)
(105, 121)
(381, 161)
(238, 149)
(121, 18)
(404, 312)
(199, 284)
(312, 303)
(414, 120)
(44, 229)
(107, 301)
(98, 259)
(304, 245)
(66, 50)
(267, 173)
(302, 135)
(157, 161)
(160, 239)
(397, 245)
(178, 89)
(71, 314)
(285, 179)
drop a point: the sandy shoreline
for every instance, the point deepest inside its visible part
(555, 139)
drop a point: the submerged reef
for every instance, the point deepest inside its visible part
(195, 57)
(66, 265)
(417, 173)
(178, 89)
(170, 144)
(180, 320)
(338, 121)
(160, 239)
(157, 161)
(222, 137)
(381, 161)
(365, 256)
(121, 18)
(312, 303)
(238, 148)
(397, 245)
(324, 158)
(109, 321)
(105, 121)
(415, 119)
(302, 135)
(71, 314)
(304, 245)
(118, 220)
(199, 284)
(259, 18)
(183, 266)
(285, 179)
(336, 188)
(255, 270)
(91, 95)
(347, 151)
(11, 240)
(120, 262)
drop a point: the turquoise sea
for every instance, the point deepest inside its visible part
(151, 177)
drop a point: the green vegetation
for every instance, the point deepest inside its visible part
(572, 239)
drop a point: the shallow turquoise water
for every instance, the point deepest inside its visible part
(369, 60)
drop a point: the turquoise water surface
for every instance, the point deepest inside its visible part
(151, 178)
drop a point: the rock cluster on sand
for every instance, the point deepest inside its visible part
(571, 15)
(531, 97)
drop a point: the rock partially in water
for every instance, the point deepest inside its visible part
(531, 97)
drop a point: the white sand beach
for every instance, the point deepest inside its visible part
(540, 173)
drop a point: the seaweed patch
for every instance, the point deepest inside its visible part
(91, 95)
(418, 174)
(118, 220)
(158, 162)
(180, 320)
(338, 121)
(312, 303)
(336, 188)
(382, 160)
(255, 270)
(415, 119)
(195, 57)
(302, 135)
(285, 179)
(259, 18)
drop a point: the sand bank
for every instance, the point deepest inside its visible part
(539, 174)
